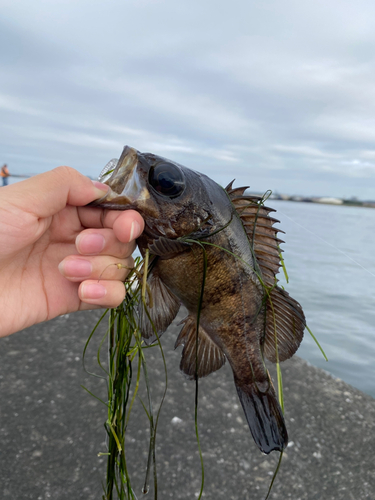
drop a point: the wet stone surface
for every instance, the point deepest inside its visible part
(51, 429)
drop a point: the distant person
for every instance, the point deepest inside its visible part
(53, 249)
(4, 174)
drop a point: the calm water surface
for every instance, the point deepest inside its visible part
(337, 294)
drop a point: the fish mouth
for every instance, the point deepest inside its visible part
(126, 182)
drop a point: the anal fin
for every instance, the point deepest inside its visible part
(209, 356)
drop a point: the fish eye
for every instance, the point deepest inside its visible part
(167, 179)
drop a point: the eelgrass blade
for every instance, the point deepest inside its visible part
(267, 297)
(93, 395)
(124, 349)
(87, 344)
(153, 422)
(317, 342)
(199, 310)
(284, 267)
(280, 386)
(274, 475)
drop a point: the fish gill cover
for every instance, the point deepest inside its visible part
(217, 252)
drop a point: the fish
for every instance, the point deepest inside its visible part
(217, 252)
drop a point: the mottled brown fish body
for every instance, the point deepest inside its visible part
(232, 315)
(202, 237)
(232, 296)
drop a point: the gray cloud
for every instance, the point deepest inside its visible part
(279, 95)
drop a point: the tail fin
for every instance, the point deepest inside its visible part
(264, 416)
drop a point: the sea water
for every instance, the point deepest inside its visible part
(330, 258)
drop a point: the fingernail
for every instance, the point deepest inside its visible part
(75, 268)
(90, 244)
(93, 291)
(102, 188)
(135, 230)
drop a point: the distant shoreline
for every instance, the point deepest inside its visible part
(322, 200)
(327, 201)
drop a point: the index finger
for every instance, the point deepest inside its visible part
(127, 224)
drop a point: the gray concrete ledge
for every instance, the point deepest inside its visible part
(51, 430)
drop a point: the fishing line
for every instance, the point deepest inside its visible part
(327, 243)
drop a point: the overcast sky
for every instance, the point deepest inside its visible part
(278, 94)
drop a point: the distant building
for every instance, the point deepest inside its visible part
(329, 201)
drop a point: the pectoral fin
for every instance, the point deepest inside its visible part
(285, 324)
(162, 307)
(209, 356)
(166, 248)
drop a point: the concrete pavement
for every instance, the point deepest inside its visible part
(51, 430)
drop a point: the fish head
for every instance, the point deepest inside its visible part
(173, 200)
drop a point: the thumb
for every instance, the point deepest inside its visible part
(46, 194)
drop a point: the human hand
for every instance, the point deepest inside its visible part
(53, 249)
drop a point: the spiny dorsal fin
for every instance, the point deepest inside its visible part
(162, 307)
(229, 187)
(235, 191)
(286, 314)
(282, 311)
(210, 356)
(249, 202)
(260, 231)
